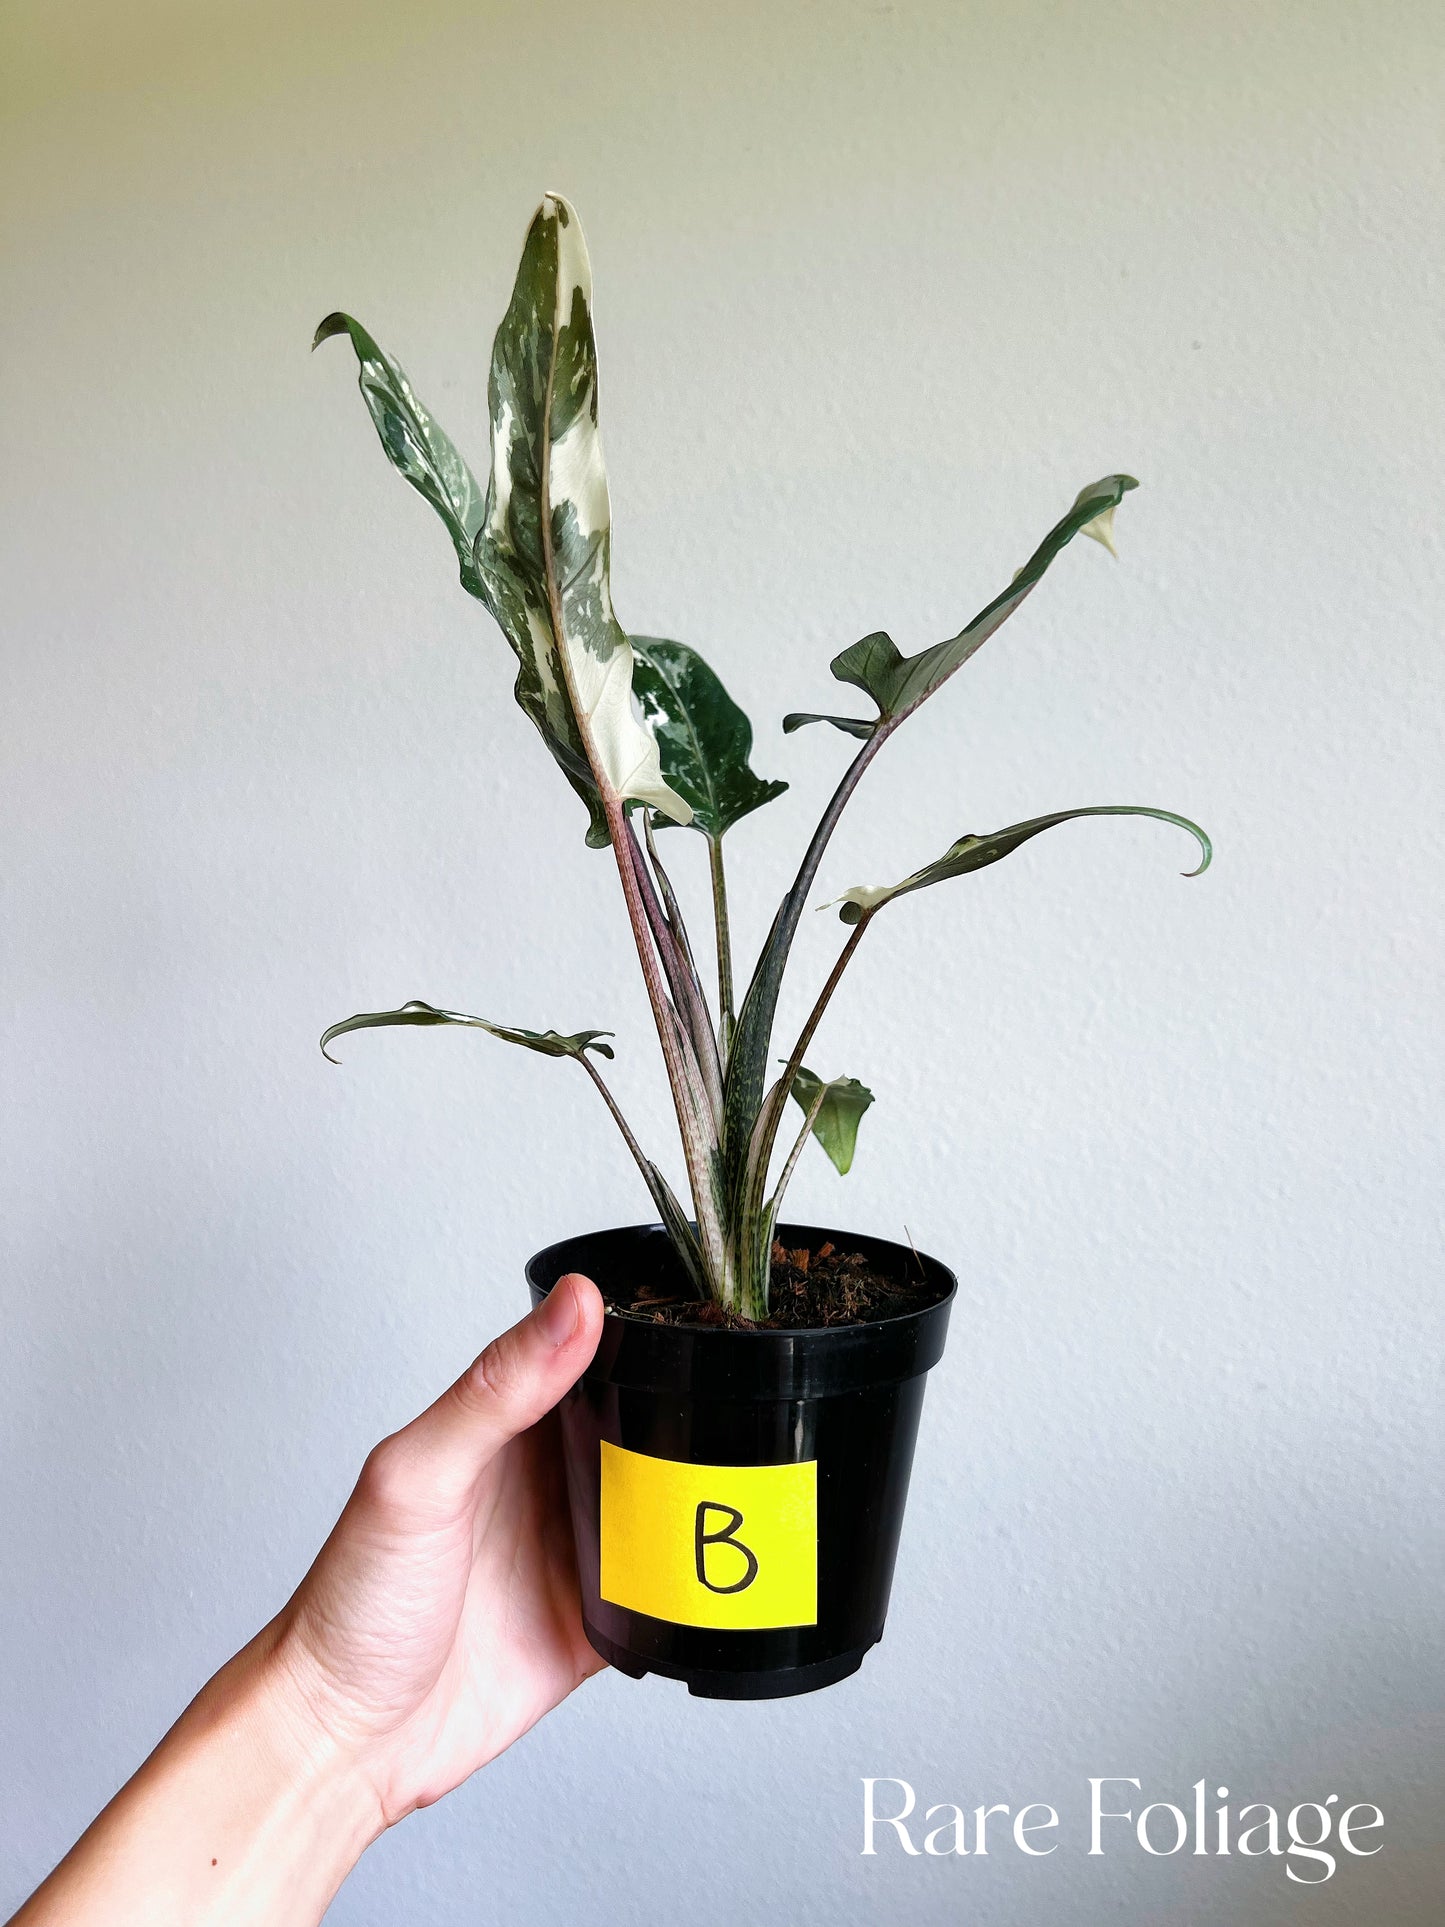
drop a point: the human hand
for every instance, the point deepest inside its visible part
(442, 1616)
(440, 1620)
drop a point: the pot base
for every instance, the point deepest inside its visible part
(707, 1684)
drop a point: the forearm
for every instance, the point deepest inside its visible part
(243, 1814)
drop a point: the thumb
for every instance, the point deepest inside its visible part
(515, 1382)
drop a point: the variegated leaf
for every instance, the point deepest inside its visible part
(898, 684)
(417, 448)
(544, 546)
(835, 1125)
(421, 452)
(703, 738)
(548, 1042)
(536, 550)
(976, 852)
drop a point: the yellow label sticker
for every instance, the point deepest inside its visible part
(710, 1545)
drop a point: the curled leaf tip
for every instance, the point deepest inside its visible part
(1100, 527)
(1207, 856)
(859, 726)
(857, 903)
(1102, 531)
(334, 324)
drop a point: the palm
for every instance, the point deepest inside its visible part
(442, 1617)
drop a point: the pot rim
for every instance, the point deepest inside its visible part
(729, 1362)
(934, 1268)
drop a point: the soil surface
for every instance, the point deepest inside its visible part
(808, 1289)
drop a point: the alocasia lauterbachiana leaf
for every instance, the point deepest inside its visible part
(977, 852)
(421, 452)
(703, 738)
(548, 1042)
(544, 547)
(835, 1124)
(537, 550)
(418, 449)
(898, 684)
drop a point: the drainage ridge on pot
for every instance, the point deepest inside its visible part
(737, 1495)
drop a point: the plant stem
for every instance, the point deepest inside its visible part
(815, 1015)
(723, 931)
(668, 1208)
(669, 897)
(694, 1123)
(797, 1151)
(639, 1155)
(748, 1058)
(752, 1214)
(669, 933)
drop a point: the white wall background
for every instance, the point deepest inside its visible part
(878, 288)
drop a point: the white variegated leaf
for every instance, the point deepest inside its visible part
(544, 547)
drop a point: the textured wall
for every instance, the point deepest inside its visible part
(878, 287)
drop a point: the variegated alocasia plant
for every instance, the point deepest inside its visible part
(646, 734)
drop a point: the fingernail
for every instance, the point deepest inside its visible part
(557, 1314)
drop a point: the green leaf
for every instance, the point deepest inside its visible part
(835, 1126)
(898, 684)
(977, 852)
(548, 1042)
(704, 739)
(544, 547)
(678, 1227)
(858, 726)
(417, 448)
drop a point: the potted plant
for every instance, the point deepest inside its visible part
(738, 1453)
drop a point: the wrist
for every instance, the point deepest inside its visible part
(308, 1789)
(247, 1812)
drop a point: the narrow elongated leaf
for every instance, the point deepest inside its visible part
(858, 726)
(544, 547)
(417, 448)
(537, 549)
(548, 1042)
(678, 1227)
(703, 738)
(977, 852)
(898, 684)
(426, 456)
(844, 1100)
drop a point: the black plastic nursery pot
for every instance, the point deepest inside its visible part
(737, 1496)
